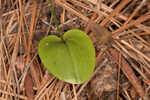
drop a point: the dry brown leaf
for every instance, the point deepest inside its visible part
(102, 35)
(29, 87)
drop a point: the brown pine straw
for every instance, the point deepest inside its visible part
(19, 21)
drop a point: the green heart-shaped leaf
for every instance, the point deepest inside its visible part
(71, 60)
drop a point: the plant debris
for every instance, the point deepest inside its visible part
(122, 70)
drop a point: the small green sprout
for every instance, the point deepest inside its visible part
(70, 57)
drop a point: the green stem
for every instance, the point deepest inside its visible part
(55, 19)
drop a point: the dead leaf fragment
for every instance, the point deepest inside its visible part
(29, 87)
(102, 35)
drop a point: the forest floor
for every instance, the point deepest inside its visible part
(122, 70)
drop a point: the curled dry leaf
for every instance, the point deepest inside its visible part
(29, 87)
(102, 35)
